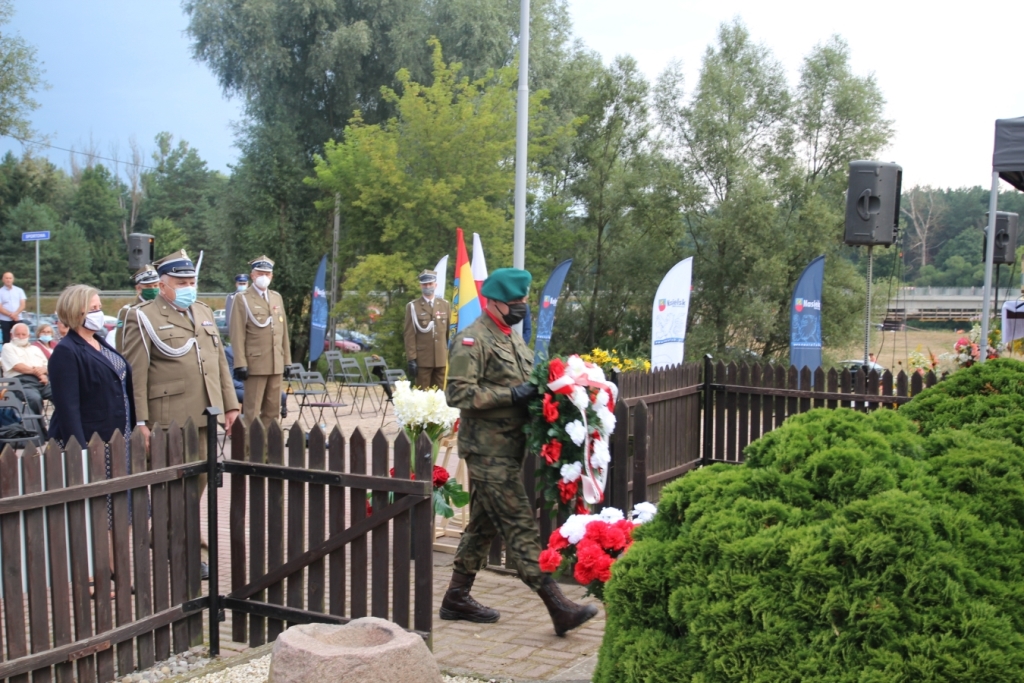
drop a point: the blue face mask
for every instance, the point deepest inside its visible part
(46, 338)
(184, 297)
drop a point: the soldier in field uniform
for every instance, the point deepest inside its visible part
(259, 340)
(426, 335)
(487, 380)
(145, 280)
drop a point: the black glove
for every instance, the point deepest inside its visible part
(413, 367)
(241, 374)
(287, 372)
(523, 394)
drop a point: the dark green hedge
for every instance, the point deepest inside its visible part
(849, 547)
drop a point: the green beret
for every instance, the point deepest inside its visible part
(507, 284)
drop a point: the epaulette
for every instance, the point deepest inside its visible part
(202, 303)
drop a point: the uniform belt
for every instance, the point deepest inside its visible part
(494, 413)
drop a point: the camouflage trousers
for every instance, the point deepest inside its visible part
(499, 506)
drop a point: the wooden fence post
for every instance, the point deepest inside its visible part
(640, 444)
(423, 537)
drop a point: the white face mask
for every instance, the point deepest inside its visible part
(93, 321)
(262, 281)
(19, 341)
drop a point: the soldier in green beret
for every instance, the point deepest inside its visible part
(488, 369)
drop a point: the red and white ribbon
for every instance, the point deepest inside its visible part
(579, 373)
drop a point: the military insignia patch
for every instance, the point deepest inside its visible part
(207, 323)
(468, 341)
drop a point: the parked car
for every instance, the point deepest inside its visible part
(364, 341)
(343, 345)
(853, 365)
(220, 317)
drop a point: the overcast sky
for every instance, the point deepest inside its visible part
(122, 67)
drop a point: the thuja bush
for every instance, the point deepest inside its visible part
(972, 399)
(849, 547)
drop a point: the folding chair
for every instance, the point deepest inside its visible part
(377, 374)
(334, 359)
(292, 384)
(310, 380)
(352, 377)
(32, 423)
(391, 376)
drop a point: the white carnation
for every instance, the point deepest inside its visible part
(644, 512)
(606, 420)
(602, 398)
(600, 457)
(571, 471)
(580, 398)
(576, 431)
(576, 366)
(612, 515)
(575, 527)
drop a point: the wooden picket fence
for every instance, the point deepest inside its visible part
(55, 629)
(294, 559)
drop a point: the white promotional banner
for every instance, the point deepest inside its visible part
(668, 321)
(441, 269)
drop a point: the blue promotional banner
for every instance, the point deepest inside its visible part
(548, 303)
(805, 317)
(318, 312)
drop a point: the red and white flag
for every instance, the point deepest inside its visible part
(479, 267)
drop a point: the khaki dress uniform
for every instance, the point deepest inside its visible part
(169, 388)
(122, 316)
(147, 278)
(426, 340)
(262, 347)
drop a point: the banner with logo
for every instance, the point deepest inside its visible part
(668, 321)
(805, 317)
(548, 303)
(318, 311)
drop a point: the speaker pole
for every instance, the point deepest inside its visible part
(990, 251)
(867, 312)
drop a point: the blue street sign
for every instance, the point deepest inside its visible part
(35, 236)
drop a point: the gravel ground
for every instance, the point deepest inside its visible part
(255, 671)
(179, 664)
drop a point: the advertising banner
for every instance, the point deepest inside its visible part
(318, 313)
(668, 320)
(548, 303)
(805, 317)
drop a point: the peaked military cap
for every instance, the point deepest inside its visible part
(242, 278)
(507, 284)
(427, 276)
(177, 264)
(262, 263)
(146, 275)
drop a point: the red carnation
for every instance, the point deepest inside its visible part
(551, 451)
(591, 563)
(567, 491)
(550, 407)
(369, 509)
(557, 541)
(608, 536)
(556, 368)
(440, 476)
(550, 559)
(581, 506)
(412, 475)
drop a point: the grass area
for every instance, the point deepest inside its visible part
(893, 348)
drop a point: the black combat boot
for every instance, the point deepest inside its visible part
(565, 614)
(459, 604)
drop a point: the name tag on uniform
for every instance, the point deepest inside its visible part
(165, 327)
(468, 341)
(207, 323)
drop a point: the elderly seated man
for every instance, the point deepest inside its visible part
(26, 362)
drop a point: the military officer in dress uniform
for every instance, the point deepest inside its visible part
(259, 338)
(145, 280)
(426, 335)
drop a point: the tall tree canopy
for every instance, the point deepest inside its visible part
(20, 76)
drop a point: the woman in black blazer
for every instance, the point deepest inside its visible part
(91, 382)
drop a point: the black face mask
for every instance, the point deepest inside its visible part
(515, 315)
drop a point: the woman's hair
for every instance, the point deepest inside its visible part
(72, 303)
(44, 326)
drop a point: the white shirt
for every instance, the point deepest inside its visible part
(12, 355)
(10, 299)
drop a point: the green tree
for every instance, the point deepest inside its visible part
(27, 216)
(95, 209)
(66, 259)
(444, 160)
(769, 166)
(20, 76)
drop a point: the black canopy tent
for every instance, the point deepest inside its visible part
(1008, 164)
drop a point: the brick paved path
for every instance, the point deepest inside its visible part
(522, 645)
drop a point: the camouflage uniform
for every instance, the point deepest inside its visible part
(483, 365)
